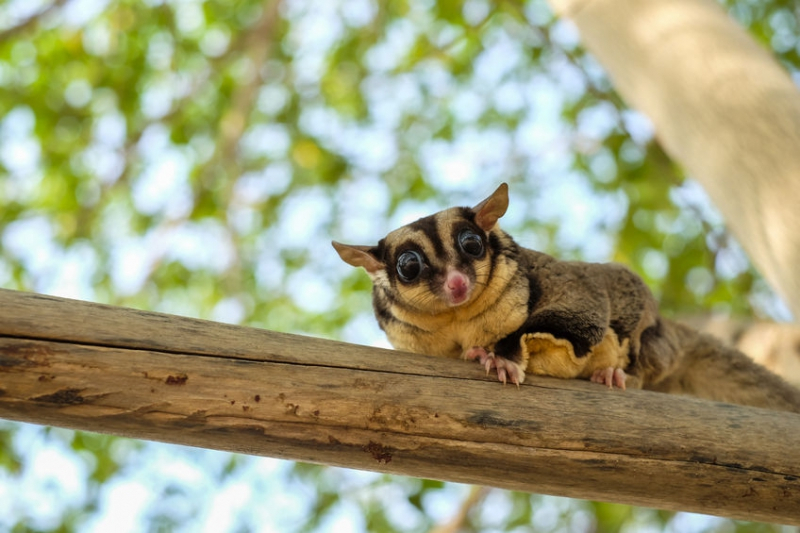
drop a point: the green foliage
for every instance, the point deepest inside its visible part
(196, 158)
(9, 459)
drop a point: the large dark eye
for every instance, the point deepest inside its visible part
(409, 266)
(471, 243)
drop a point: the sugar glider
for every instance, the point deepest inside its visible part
(453, 284)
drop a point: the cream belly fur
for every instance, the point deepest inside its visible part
(448, 335)
(451, 332)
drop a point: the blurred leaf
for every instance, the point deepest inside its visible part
(198, 158)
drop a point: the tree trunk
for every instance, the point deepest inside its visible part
(721, 106)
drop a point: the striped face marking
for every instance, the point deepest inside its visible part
(437, 262)
(439, 281)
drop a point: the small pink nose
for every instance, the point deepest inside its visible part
(456, 281)
(457, 285)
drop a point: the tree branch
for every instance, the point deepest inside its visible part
(458, 521)
(153, 376)
(28, 23)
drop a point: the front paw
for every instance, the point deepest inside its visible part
(610, 376)
(507, 370)
(476, 353)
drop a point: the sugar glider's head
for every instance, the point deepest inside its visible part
(437, 263)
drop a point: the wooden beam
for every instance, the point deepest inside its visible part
(166, 378)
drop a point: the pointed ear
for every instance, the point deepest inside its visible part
(358, 256)
(490, 210)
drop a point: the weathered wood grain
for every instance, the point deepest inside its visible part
(152, 376)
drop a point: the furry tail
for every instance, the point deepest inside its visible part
(678, 359)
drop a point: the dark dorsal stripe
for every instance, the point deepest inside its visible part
(428, 227)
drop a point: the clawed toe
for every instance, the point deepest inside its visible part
(611, 377)
(476, 353)
(506, 370)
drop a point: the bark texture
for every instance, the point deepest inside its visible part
(159, 377)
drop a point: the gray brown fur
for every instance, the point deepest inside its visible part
(584, 316)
